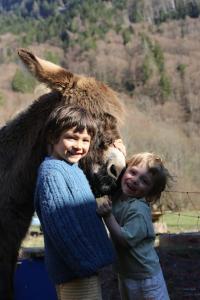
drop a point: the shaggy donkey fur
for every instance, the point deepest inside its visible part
(22, 149)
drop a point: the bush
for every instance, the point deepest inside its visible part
(136, 11)
(22, 82)
(165, 85)
(119, 4)
(146, 69)
(127, 34)
(181, 69)
(128, 81)
(52, 57)
(158, 56)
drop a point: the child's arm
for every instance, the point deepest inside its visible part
(105, 210)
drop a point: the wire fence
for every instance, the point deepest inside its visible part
(178, 219)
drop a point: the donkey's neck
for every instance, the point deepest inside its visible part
(19, 135)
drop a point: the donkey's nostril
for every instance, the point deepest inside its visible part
(113, 171)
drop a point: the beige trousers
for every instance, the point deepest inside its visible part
(80, 289)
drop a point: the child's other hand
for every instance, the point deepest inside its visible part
(105, 208)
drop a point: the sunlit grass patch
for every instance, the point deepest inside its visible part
(182, 221)
(33, 240)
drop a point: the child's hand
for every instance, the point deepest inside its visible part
(105, 208)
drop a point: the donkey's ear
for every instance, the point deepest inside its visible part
(54, 76)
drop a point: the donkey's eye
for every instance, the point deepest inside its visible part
(133, 172)
(102, 145)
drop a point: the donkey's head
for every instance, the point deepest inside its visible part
(104, 162)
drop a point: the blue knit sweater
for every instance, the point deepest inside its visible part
(76, 242)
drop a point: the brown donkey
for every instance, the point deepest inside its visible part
(22, 150)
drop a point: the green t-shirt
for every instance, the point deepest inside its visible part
(139, 260)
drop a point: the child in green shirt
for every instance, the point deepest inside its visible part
(128, 218)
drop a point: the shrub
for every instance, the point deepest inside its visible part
(181, 69)
(165, 85)
(146, 69)
(136, 11)
(127, 34)
(119, 4)
(158, 56)
(129, 85)
(53, 57)
(23, 82)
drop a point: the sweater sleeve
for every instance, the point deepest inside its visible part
(134, 229)
(58, 214)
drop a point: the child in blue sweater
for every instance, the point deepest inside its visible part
(76, 242)
(128, 218)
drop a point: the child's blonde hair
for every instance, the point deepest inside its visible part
(155, 166)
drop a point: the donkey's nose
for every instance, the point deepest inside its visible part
(114, 171)
(116, 162)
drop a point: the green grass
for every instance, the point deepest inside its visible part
(182, 222)
(33, 241)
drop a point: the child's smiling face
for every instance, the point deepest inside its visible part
(137, 181)
(72, 145)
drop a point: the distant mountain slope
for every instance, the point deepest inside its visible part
(36, 8)
(86, 21)
(137, 10)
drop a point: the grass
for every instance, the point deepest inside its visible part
(185, 221)
(182, 222)
(35, 240)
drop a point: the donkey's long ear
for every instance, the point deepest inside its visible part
(54, 76)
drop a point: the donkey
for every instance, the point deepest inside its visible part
(22, 150)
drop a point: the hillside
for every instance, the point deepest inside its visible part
(84, 22)
(137, 10)
(153, 65)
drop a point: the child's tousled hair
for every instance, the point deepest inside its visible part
(67, 117)
(160, 173)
